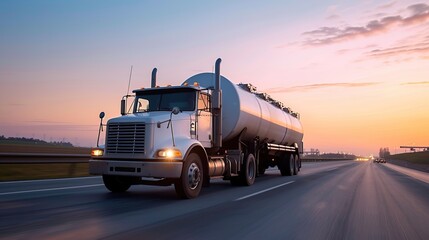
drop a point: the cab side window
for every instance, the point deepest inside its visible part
(204, 102)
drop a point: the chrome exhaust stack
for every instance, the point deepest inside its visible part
(153, 79)
(217, 107)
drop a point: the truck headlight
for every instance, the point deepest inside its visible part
(97, 152)
(169, 153)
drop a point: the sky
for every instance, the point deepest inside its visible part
(356, 71)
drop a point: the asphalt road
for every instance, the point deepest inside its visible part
(334, 200)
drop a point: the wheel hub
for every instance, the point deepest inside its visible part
(194, 176)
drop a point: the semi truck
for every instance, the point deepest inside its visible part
(205, 128)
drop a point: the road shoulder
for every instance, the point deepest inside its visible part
(422, 176)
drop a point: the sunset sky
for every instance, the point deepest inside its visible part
(356, 71)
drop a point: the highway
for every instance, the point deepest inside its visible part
(331, 200)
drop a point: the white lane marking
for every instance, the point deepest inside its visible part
(47, 180)
(266, 190)
(51, 189)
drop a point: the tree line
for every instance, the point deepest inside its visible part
(384, 153)
(32, 141)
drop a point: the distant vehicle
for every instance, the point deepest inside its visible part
(220, 130)
(379, 160)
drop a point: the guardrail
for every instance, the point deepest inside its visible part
(37, 158)
(325, 159)
(26, 166)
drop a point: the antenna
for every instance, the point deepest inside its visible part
(129, 80)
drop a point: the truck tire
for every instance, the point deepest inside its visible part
(295, 164)
(116, 183)
(190, 183)
(286, 165)
(247, 173)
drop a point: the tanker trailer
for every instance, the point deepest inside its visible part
(206, 127)
(256, 124)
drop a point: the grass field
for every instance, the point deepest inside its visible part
(30, 148)
(417, 157)
(12, 172)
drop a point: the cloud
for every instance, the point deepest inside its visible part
(345, 51)
(419, 48)
(319, 86)
(45, 122)
(416, 83)
(386, 6)
(333, 17)
(53, 127)
(419, 13)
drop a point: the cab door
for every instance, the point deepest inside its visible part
(204, 120)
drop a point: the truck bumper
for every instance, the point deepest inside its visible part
(136, 169)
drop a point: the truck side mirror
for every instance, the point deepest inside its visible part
(100, 129)
(123, 106)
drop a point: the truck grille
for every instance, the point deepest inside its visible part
(125, 138)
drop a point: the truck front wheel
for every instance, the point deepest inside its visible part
(190, 183)
(116, 183)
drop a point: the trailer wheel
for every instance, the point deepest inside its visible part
(116, 183)
(190, 183)
(287, 165)
(295, 164)
(247, 173)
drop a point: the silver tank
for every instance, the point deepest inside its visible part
(241, 109)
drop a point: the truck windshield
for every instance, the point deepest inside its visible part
(165, 101)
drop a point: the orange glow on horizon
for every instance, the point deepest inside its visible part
(356, 91)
